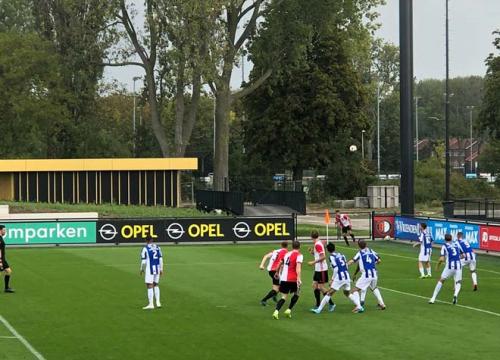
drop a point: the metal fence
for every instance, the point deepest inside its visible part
(474, 209)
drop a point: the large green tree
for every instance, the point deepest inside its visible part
(490, 110)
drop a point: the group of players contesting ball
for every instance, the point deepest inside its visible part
(285, 269)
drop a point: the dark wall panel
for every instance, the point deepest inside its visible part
(32, 188)
(43, 182)
(24, 190)
(134, 187)
(67, 186)
(106, 186)
(124, 186)
(174, 187)
(142, 187)
(114, 176)
(151, 187)
(160, 188)
(58, 189)
(17, 189)
(92, 188)
(82, 186)
(168, 183)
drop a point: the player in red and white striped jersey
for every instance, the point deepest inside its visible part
(320, 277)
(344, 221)
(289, 273)
(275, 258)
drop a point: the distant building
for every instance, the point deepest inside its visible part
(461, 156)
(120, 181)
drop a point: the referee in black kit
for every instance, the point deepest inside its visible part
(4, 265)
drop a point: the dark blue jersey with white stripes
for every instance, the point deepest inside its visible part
(339, 265)
(367, 259)
(452, 251)
(467, 249)
(425, 242)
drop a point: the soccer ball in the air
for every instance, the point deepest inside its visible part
(353, 148)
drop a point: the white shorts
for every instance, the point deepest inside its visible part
(337, 284)
(470, 263)
(456, 273)
(424, 258)
(363, 283)
(150, 278)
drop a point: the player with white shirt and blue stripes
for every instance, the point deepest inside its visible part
(451, 255)
(152, 268)
(469, 258)
(340, 280)
(367, 260)
(424, 258)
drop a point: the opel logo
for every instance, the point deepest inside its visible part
(241, 230)
(175, 231)
(108, 232)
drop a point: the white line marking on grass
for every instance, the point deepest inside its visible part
(8, 337)
(221, 306)
(440, 301)
(21, 338)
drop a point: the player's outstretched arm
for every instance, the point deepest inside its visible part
(440, 261)
(299, 271)
(264, 259)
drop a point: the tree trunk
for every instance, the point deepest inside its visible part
(192, 112)
(221, 161)
(156, 125)
(179, 111)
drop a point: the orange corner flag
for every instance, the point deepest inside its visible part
(327, 216)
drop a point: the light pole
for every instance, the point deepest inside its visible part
(363, 144)
(447, 110)
(416, 124)
(378, 128)
(134, 79)
(470, 108)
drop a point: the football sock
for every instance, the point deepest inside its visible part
(363, 295)
(280, 304)
(352, 236)
(458, 286)
(269, 295)
(317, 294)
(157, 293)
(293, 301)
(346, 241)
(429, 270)
(354, 297)
(150, 296)
(7, 280)
(378, 295)
(329, 301)
(436, 290)
(474, 278)
(421, 269)
(324, 302)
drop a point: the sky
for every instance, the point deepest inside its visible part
(471, 25)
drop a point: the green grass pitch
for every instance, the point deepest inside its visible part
(85, 303)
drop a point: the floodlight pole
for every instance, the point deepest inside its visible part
(447, 113)
(406, 105)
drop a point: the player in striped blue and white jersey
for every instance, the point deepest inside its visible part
(367, 260)
(340, 280)
(424, 257)
(469, 258)
(451, 255)
(152, 268)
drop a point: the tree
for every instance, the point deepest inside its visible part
(490, 110)
(31, 101)
(16, 16)
(311, 108)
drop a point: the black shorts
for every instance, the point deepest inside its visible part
(287, 287)
(321, 277)
(275, 281)
(5, 265)
(346, 229)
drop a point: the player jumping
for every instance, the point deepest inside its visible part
(344, 221)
